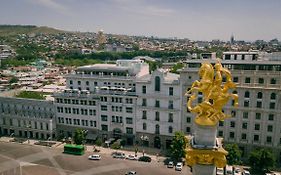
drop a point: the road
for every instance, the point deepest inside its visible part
(20, 159)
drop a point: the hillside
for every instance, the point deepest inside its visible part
(9, 30)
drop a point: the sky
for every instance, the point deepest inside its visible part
(194, 19)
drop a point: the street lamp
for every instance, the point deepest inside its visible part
(28, 130)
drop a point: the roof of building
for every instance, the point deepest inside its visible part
(102, 67)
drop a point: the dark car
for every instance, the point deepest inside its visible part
(145, 159)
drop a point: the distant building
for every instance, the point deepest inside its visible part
(232, 39)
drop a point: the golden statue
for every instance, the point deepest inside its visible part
(215, 94)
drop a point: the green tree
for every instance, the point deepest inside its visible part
(178, 146)
(31, 95)
(261, 160)
(13, 80)
(79, 136)
(177, 67)
(98, 142)
(234, 154)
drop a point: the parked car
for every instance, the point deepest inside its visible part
(118, 155)
(170, 164)
(131, 157)
(145, 159)
(220, 171)
(246, 172)
(131, 173)
(237, 171)
(179, 166)
(94, 157)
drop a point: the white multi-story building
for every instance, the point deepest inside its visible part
(27, 118)
(158, 108)
(102, 100)
(256, 122)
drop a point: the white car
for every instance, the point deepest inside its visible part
(131, 157)
(246, 172)
(131, 173)
(170, 164)
(179, 166)
(94, 157)
(220, 171)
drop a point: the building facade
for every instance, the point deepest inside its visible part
(158, 108)
(101, 99)
(27, 118)
(256, 121)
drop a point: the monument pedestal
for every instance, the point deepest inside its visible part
(204, 170)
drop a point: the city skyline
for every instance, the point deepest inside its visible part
(202, 20)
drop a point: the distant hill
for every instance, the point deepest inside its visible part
(9, 30)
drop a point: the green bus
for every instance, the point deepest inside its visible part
(74, 149)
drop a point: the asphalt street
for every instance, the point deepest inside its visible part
(21, 159)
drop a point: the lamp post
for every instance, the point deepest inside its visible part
(28, 126)
(205, 152)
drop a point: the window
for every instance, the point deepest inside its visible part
(188, 119)
(271, 105)
(259, 104)
(233, 113)
(157, 103)
(259, 96)
(235, 79)
(170, 117)
(144, 126)
(231, 135)
(187, 129)
(157, 129)
(104, 127)
(272, 96)
(268, 139)
(144, 116)
(171, 104)
(104, 118)
(220, 133)
(103, 108)
(261, 81)
(144, 89)
(258, 116)
(171, 91)
(157, 83)
(170, 129)
(129, 120)
(87, 83)
(244, 125)
(271, 117)
(245, 115)
(269, 128)
(246, 103)
(79, 82)
(129, 130)
(257, 127)
(247, 94)
(232, 124)
(256, 138)
(70, 82)
(157, 116)
(220, 123)
(129, 110)
(144, 102)
(244, 136)
(272, 81)
(247, 80)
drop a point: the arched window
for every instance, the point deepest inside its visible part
(247, 94)
(170, 129)
(259, 95)
(157, 83)
(87, 83)
(157, 129)
(144, 126)
(273, 96)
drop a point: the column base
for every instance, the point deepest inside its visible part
(204, 170)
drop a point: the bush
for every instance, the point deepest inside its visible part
(98, 142)
(115, 145)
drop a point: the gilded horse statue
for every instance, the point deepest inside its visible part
(215, 94)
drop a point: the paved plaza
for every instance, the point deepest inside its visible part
(26, 159)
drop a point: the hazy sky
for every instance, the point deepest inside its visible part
(193, 19)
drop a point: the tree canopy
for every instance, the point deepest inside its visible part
(178, 146)
(31, 95)
(261, 160)
(79, 136)
(234, 154)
